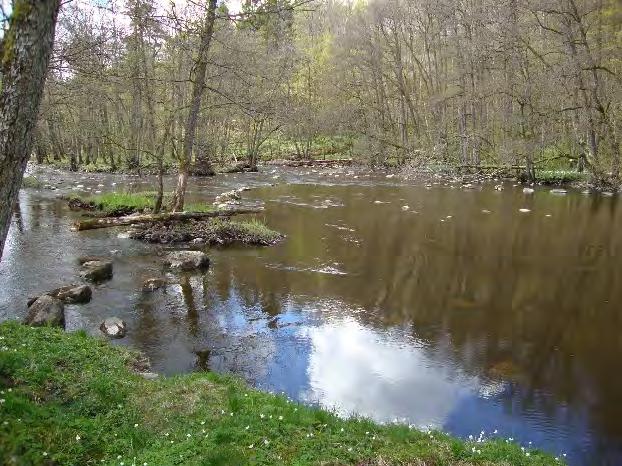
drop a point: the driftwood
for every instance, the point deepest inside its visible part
(107, 222)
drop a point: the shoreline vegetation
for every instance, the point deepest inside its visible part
(118, 204)
(210, 231)
(556, 177)
(69, 398)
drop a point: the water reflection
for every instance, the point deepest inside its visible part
(440, 314)
(357, 370)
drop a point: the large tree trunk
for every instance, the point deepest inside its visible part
(26, 50)
(198, 86)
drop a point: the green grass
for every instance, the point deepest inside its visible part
(198, 207)
(560, 176)
(72, 399)
(249, 232)
(119, 200)
(225, 232)
(31, 182)
(121, 203)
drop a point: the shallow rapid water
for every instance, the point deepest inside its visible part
(432, 305)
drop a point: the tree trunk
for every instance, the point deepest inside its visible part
(26, 49)
(198, 87)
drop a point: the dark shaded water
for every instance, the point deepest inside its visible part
(457, 312)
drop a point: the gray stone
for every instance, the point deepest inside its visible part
(149, 375)
(227, 197)
(73, 294)
(69, 294)
(83, 259)
(113, 327)
(97, 270)
(187, 260)
(46, 311)
(152, 284)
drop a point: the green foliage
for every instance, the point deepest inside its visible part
(248, 232)
(121, 203)
(119, 200)
(561, 176)
(198, 207)
(67, 398)
(31, 182)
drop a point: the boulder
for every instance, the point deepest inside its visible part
(113, 327)
(83, 259)
(46, 311)
(227, 197)
(528, 190)
(69, 294)
(73, 294)
(187, 260)
(152, 284)
(97, 270)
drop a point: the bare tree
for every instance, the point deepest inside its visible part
(198, 88)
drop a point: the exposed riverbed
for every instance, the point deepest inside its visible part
(435, 305)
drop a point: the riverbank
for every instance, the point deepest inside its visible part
(67, 398)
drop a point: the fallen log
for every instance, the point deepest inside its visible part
(107, 222)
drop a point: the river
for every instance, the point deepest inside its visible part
(427, 303)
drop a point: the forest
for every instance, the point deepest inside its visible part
(310, 232)
(145, 85)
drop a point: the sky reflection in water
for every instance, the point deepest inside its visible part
(439, 315)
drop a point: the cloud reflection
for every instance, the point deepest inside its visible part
(354, 369)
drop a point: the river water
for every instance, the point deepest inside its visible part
(435, 305)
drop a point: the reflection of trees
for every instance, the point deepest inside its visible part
(188, 298)
(17, 215)
(524, 298)
(534, 295)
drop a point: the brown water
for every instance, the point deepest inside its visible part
(458, 312)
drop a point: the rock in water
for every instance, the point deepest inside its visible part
(46, 311)
(69, 294)
(153, 284)
(187, 260)
(113, 327)
(528, 190)
(227, 197)
(97, 270)
(73, 294)
(558, 191)
(83, 259)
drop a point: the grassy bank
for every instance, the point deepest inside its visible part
(71, 399)
(120, 203)
(561, 177)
